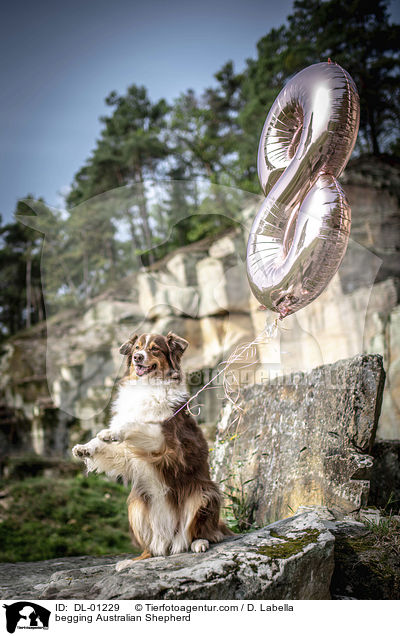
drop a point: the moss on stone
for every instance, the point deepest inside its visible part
(290, 546)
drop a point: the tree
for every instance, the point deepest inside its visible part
(21, 299)
(263, 79)
(355, 34)
(205, 129)
(131, 146)
(358, 36)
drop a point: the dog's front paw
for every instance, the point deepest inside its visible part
(108, 435)
(122, 565)
(200, 545)
(80, 451)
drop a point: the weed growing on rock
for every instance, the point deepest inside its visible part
(239, 510)
(385, 531)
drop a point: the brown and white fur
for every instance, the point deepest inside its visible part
(157, 446)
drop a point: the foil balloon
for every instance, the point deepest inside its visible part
(301, 231)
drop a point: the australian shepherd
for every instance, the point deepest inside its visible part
(155, 444)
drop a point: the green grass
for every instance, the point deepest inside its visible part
(386, 531)
(47, 518)
(238, 511)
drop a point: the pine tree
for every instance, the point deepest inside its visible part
(358, 36)
(21, 298)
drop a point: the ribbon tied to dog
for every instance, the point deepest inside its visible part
(300, 234)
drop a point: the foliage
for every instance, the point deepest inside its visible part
(382, 530)
(263, 80)
(49, 518)
(358, 36)
(238, 510)
(21, 303)
(205, 129)
(131, 144)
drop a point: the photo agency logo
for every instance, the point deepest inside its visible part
(26, 615)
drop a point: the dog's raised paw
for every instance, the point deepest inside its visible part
(81, 450)
(123, 565)
(200, 545)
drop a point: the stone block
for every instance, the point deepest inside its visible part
(303, 439)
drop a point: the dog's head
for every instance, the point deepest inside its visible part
(154, 356)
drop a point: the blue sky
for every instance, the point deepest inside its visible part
(58, 61)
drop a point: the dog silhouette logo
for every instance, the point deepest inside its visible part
(26, 615)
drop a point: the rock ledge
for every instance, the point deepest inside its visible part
(290, 559)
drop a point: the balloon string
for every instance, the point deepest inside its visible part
(237, 355)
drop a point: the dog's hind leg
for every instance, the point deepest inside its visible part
(140, 529)
(206, 526)
(127, 563)
(184, 535)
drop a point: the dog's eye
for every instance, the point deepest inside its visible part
(154, 349)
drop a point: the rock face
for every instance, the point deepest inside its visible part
(373, 187)
(302, 440)
(385, 475)
(57, 386)
(291, 559)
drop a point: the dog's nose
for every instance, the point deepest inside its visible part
(138, 357)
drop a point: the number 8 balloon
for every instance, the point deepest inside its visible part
(300, 234)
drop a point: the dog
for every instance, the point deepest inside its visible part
(155, 444)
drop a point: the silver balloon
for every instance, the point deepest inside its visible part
(301, 231)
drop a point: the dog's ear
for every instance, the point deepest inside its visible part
(126, 348)
(177, 347)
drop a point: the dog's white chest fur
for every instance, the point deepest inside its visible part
(146, 403)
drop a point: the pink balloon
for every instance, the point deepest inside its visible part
(300, 234)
